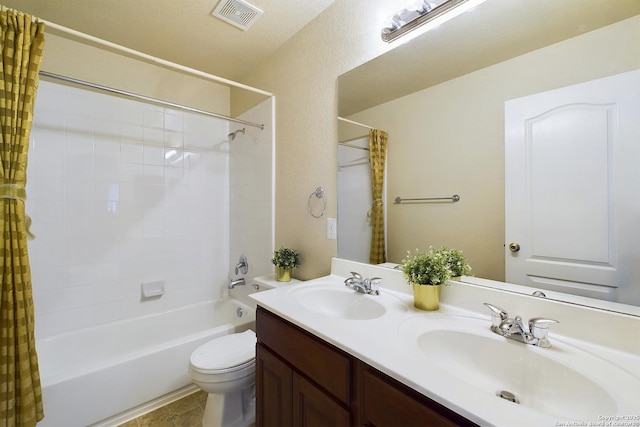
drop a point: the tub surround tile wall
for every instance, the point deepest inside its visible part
(122, 192)
(251, 193)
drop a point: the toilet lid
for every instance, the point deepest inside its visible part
(225, 352)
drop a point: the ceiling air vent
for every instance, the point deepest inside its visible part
(238, 13)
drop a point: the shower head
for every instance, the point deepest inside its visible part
(233, 135)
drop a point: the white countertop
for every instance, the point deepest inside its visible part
(388, 344)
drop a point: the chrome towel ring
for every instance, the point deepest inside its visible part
(319, 193)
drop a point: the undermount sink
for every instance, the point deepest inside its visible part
(556, 381)
(338, 302)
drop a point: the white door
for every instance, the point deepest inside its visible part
(572, 194)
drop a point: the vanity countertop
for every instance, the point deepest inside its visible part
(389, 343)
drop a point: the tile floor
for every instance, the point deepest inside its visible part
(186, 412)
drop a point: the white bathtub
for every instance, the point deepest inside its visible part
(96, 373)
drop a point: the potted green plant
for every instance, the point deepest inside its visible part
(426, 272)
(285, 260)
(457, 262)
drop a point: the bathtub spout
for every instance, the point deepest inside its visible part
(237, 282)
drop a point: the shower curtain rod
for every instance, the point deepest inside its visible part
(147, 98)
(153, 59)
(345, 144)
(347, 141)
(354, 123)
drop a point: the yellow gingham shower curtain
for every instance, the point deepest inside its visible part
(377, 157)
(20, 393)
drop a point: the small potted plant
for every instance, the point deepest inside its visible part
(285, 260)
(426, 272)
(457, 262)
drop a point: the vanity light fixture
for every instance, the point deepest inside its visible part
(432, 12)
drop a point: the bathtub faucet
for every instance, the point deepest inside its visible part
(236, 282)
(243, 265)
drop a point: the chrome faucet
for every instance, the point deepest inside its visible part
(364, 286)
(243, 265)
(236, 282)
(535, 334)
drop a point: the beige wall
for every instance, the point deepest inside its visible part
(449, 139)
(303, 76)
(89, 63)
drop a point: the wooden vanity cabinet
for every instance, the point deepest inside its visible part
(387, 402)
(274, 385)
(288, 399)
(302, 380)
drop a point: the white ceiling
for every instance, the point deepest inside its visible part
(182, 31)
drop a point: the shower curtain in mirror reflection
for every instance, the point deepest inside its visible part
(377, 157)
(20, 393)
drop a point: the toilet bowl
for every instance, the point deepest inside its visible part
(225, 369)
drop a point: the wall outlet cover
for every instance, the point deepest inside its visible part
(332, 228)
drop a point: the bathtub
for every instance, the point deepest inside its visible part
(97, 373)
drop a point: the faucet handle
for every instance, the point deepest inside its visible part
(540, 325)
(350, 282)
(243, 265)
(497, 311)
(498, 316)
(539, 328)
(374, 285)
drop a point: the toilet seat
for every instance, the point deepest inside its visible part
(226, 354)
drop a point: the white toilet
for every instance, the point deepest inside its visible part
(225, 368)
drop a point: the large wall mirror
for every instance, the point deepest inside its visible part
(441, 98)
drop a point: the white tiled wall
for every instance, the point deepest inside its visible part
(252, 195)
(122, 192)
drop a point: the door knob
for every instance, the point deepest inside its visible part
(514, 247)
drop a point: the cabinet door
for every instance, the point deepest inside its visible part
(313, 408)
(273, 390)
(322, 363)
(387, 403)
